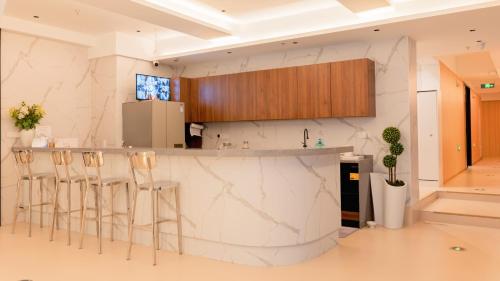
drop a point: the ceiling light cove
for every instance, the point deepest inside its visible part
(192, 9)
(379, 13)
(357, 6)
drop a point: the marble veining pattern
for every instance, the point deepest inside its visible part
(392, 105)
(53, 74)
(225, 215)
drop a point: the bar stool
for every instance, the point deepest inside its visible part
(63, 159)
(94, 159)
(24, 158)
(145, 162)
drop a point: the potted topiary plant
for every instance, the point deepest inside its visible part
(395, 189)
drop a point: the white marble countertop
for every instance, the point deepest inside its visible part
(236, 152)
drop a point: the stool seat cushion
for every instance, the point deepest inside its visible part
(37, 176)
(159, 185)
(77, 178)
(111, 181)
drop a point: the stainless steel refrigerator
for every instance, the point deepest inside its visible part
(154, 123)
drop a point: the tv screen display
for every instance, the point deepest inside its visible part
(150, 87)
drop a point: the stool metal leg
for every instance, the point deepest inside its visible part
(96, 206)
(68, 211)
(82, 193)
(99, 190)
(30, 206)
(83, 218)
(41, 203)
(131, 223)
(128, 201)
(55, 214)
(157, 227)
(179, 220)
(16, 207)
(153, 215)
(57, 203)
(112, 189)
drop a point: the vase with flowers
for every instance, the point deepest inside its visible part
(26, 117)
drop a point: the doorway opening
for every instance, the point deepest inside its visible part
(468, 133)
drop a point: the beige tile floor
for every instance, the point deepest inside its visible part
(467, 207)
(485, 174)
(417, 253)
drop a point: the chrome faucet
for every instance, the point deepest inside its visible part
(306, 137)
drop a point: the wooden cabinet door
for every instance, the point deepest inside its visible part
(194, 101)
(285, 86)
(180, 90)
(276, 94)
(313, 86)
(221, 97)
(241, 96)
(353, 88)
(206, 99)
(266, 100)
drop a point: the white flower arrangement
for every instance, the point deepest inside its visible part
(26, 117)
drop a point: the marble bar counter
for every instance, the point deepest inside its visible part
(255, 207)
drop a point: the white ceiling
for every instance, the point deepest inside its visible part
(195, 30)
(474, 68)
(75, 16)
(239, 8)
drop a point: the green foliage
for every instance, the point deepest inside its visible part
(25, 116)
(390, 161)
(391, 135)
(396, 149)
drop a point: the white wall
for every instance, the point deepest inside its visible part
(393, 59)
(53, 74)
(113, 83)
(82, 97)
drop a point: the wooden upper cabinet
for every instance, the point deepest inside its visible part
(286, 89)
(276, 94)
(313, 86)
(243, 92)
(339, 89)
(193, 114)
(353, 88)
(180, 90)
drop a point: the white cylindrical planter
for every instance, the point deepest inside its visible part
(377, 183)
(26, 137)
(394, 205)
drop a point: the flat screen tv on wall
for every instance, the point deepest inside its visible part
(148, 87)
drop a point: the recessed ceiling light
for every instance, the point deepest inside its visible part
(229, 52)
(137, 31)
(376, 30)
(36, 17)
(472, 30)
(223, 11)
(295, 42)
(457, 248)
(479, 41)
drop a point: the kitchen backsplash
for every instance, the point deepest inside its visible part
(392, 58)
